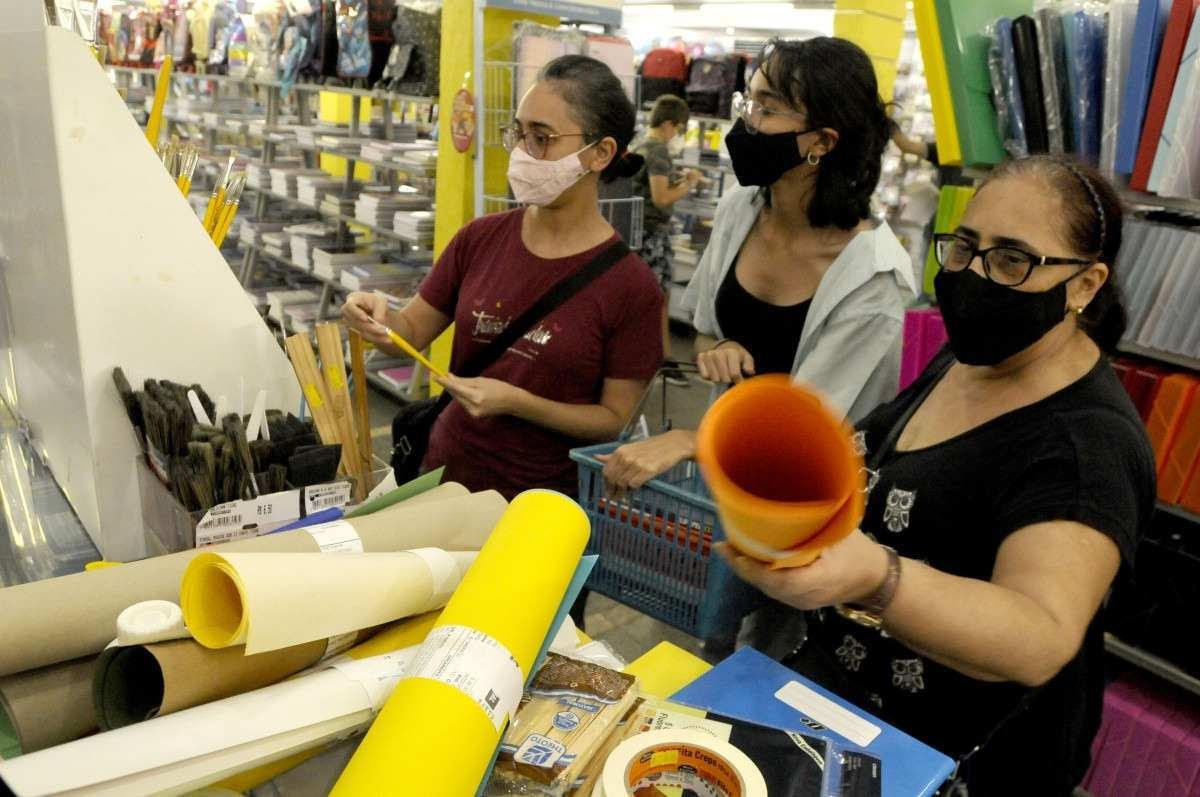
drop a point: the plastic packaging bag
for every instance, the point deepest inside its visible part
(354, 45)
(269, 16)
(220, 30)
(1006, 92)
(239, 47)
(1084, 34)
(1122, 16)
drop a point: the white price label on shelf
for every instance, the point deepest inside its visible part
(224, 523)
(326, 496)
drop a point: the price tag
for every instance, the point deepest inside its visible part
(325, 496)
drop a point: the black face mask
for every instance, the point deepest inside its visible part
(761, 159)
(988, 323)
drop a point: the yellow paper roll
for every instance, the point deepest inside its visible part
(438, 731)
(273, 601)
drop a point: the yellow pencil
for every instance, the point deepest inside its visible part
(154, 122)
(411, 351)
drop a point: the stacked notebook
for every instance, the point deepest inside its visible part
(280, 300)
(391, 150)
(311, 189)
(306, 237)
(277, 244)
(251, 232)
(415, 226)
(380, 209)
(388, 277)
(329, 263)
(284, 180)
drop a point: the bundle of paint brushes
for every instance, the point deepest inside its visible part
(223, 204)
(207, 457)
(180, 161)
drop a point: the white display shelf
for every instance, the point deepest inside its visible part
(1156, 201)
(304, 88)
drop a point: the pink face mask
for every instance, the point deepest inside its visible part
(540, 182)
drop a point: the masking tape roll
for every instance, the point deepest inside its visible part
(693, 760)
(150, 621)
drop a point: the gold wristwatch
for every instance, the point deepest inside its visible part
(870, 611)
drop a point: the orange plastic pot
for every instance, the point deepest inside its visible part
(782, 470)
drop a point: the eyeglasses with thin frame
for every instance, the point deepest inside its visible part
(754, 113)
(536, 142)
(1003, 265)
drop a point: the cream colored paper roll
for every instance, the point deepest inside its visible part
(272, 601)
(692, 760)
(64, 618)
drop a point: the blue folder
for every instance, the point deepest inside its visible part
(1012, 86)
(744, 685)
(1148, 33)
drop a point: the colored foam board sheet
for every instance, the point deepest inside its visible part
(952, 204)
(914, 341)
(1028, 66)
(1052, 62)
(1143, 388)
(48, 706)
(136, 683)
(945, 125)
(965, 43)
(471, 671)
(1009, 87)
(665, 669)
(1190, 499)
(1185, 87)
(189, 749)
(935, 338)
(1178, 27)
(271, 601)
(426, 484)
(1181, 459)
(782, 470)
(65, 618)
(1170, 406)
(1122, 20)
(1084, 35)
(746, 686)
(1149, 27)
(1181, 171)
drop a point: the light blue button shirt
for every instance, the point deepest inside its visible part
(851, 344)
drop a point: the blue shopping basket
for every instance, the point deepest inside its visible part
(655, 548)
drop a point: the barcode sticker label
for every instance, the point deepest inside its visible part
(224, 523)
(836, 718)
(336, 537)
(477, 665)
(326, 496)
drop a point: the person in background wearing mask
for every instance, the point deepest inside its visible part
(576, 377)
(1011, 481)
(796, 278)
(655, 182)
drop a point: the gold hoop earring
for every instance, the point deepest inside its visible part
(812, 160)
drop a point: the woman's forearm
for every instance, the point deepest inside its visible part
(590, 422)
(980, 629)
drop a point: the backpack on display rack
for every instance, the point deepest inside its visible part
(713, 82)
(381, 15)
(354, 43)
(325, 58)
(413, 65)
(664, 71)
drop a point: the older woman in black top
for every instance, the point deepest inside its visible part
(1007, 487)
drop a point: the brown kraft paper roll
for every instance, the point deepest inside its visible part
(65, 618)
(50, 705)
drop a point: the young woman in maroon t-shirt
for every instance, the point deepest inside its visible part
(576, 377)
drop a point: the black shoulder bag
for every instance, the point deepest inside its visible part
(414, 422)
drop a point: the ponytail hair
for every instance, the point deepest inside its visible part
(598, 102)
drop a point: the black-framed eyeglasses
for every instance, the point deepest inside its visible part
(1003, 265)
(536, 142)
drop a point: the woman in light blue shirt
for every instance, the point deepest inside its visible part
(796, 277)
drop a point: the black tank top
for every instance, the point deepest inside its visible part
(770, 332)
